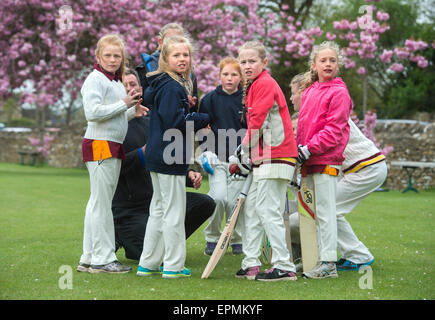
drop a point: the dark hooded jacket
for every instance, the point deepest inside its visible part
(168, 151)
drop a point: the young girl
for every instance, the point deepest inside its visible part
(271, 146)
(107, 108)
(364, 170)
(322, 135)
(224, 106)
(169, 87)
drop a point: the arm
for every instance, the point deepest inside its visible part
(263, 100)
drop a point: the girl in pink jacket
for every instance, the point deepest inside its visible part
(322, 135)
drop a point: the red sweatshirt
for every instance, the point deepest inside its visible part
(270, 131)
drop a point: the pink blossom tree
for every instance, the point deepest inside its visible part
(52, 45)
(47, 46)
(361, 37)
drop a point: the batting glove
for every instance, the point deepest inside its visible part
(208, 161)
(244, 168)
(303, 153)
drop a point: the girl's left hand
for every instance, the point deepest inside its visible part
(192, 101)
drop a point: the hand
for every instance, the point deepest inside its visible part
(196, 179)
(303, 153)
(141, 111)
(132, 98)
(143, 149)
(192, 101)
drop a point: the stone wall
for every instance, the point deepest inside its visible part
(65, 151)
(412, 141)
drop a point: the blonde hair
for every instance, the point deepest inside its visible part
(167, 47)
(235, 64)
(254, 45)
(116, 40)
(312, 76)
(168, 27)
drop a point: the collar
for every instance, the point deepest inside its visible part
(110, 76)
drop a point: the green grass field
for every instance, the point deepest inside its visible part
(41, 226)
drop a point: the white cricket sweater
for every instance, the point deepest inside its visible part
(360, 150)
(106, 113)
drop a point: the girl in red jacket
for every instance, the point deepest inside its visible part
(271, 146)
(322, 135)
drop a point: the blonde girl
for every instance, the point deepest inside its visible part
(107, 109)
(322, 135)
(271, 146)
(170, 85)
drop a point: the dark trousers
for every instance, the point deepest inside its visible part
(130, 230)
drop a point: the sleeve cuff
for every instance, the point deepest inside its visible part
(141, 157)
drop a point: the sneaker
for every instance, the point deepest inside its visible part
(83, 267)
(347, 265)
(144, 272)
(236, 249)
(249, 273)
(209, 248)
(275, 274)
(299, 266)
(322, 270)
(176, 274)
(112, 267)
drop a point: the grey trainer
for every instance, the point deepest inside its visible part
(112, 267)
(323, 269)
(83, 267)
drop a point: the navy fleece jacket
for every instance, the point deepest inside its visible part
(225, 111)
(169, 110)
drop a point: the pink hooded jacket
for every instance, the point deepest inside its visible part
(323, 122)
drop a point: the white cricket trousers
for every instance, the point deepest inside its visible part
(99, 230)
(352, 188)
(224, 189)
(325, 188)
(264, 209)
(165, 236)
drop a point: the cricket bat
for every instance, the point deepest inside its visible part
(307, 223)
(288, 238)
(224, 239)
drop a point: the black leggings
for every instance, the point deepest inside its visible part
(130, 229)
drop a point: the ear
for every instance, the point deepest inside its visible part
(265, 61)
(313, 66)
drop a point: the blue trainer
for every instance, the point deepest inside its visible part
(209, 248)
(176, 274)
(144, 272)
(347, 265)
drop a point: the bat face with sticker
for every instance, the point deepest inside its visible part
(307, 223)
(222, 244)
